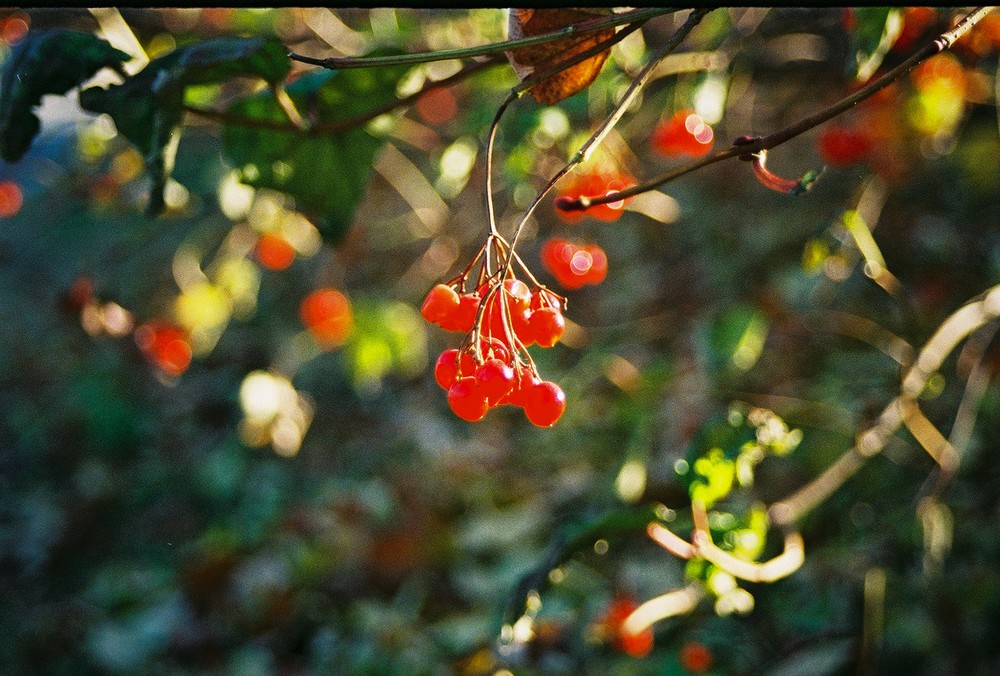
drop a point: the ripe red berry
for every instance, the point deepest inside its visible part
(328, 316)
(466, 400)
(547, 326)
(446, 368)
(165, 345)
(574, 266)
(635, 645)
(686, 133)
(842, 146)
(544, 404)
(594, 184)
(695, 657)
(518, 294)
(495, 380)
(442, 301)
(274, 251)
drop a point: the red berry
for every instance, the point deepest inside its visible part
(165, 345)
(594, 185)
(524, 384)
(547, 326)
(274, 251)
(518, 294)
(328, 316)
(544, 404)
(442, 301)
(686, 133)
(521, 324)
(495, 380)
(842, 146)
(695, 657)
(635, 645)
(446, 368)
(466, 400)
(598, 266)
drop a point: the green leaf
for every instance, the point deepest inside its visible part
(147, 107)
(326, 173)
(46, 62)
(875, 33)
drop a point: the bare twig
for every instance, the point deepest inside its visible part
(755, 145)
(949, 334)
(582, 28)
(340, 126)
(608, 124)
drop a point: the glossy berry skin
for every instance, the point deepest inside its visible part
(842, 146)
(442, 301)
(547, 326)
(686, 133)
(466, 400)
(495, 380)
(544, 404)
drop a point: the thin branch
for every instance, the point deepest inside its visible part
(582, 28)
(757, 144)
(605, 127)
(967, 319)
(339, 126)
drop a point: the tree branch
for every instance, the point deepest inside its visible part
(582, 28)
(757, 144)
(339, 126)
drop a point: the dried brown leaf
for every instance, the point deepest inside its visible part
(527, 61)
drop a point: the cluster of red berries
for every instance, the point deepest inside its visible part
(595, 184)
(574, 265)
(488, 371)
(686, 133)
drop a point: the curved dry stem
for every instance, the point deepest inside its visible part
(959, 325)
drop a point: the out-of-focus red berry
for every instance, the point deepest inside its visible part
(274, 251)
(328, 315)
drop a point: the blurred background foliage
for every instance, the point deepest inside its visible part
(281, 505)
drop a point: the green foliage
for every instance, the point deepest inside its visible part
(45, 62)
(876, 31)
(325, 172)
(147, 107)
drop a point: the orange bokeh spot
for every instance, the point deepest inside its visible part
(437, 106)
(696, 658)
(14, 27)
(11, 198)
(328, 316)
(274, 251)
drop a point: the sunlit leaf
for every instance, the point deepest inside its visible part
(876, 31)
(530, 60)
(46, 62)
(325, 172)
(148, 106)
